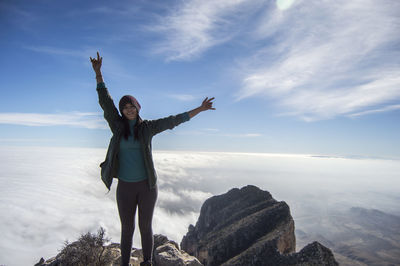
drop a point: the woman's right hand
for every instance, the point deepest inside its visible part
(96, 64)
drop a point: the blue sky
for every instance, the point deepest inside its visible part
(288, 76)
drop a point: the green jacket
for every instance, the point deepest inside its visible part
(147, 129)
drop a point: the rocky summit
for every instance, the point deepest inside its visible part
(248, 226)
(166, 253)
(241, 227)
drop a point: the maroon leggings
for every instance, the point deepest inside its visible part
(130, 195)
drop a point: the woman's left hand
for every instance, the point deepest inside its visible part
(207, 104)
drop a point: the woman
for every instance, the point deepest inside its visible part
(129, 158)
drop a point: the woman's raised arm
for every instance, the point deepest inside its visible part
(106, 102)
(159, 125)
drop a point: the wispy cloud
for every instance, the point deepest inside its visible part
(313, 59)
(315, 104)
(245, 135)
(197, 25)
(74, 119)
(116, 11)
(113, 65)
(24, 140)
(23, 18)
(325, 59)
(217, 133)
(384, 109)
(58, 51)
(211, 129)
(182, 97)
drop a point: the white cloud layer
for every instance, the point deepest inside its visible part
(53, 194)
(74, 119)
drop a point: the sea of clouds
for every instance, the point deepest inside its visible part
(49, 195)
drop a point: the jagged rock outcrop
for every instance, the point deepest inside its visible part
(248, 227)
(166, 253)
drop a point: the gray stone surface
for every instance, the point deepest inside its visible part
(248, 227)
(166, 253)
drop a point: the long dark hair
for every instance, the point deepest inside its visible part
(127, 131)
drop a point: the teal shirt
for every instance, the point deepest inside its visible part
(148, 129)
(131, 161)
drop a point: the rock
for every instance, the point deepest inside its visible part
(112, 250)
(40, 262)
(166, 253)
(248, 227)
(169, 255)
(231, 223)
(160, 240)
(313, 254)
(136, 256)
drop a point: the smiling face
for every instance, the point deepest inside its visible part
(129, 111)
